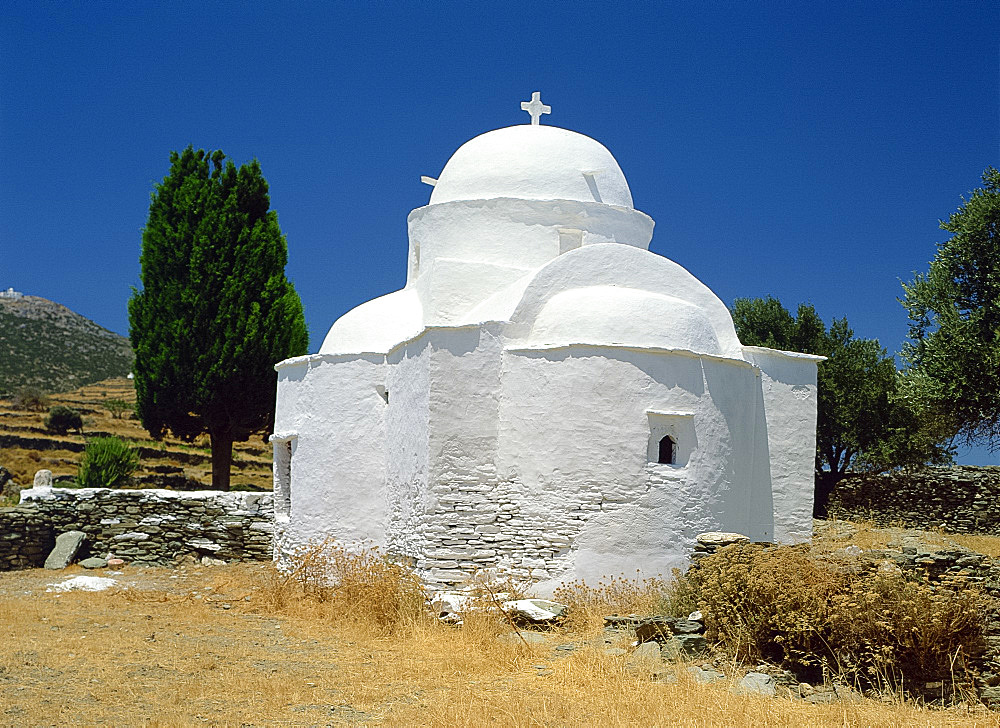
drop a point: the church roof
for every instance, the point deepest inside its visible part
(533, 162)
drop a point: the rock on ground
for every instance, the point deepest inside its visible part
(756, 683)
(67, 544)
(534, 611)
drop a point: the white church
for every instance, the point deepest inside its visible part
(545, 396)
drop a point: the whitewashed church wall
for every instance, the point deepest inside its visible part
(788, 389)
(332, 410)
(523, 233)
(735, 391)
(406, 436)
(574, 430)
(449, 288)
(460, 512)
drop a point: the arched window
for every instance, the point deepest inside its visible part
(668, 450)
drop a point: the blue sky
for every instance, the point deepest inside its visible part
(803, 150)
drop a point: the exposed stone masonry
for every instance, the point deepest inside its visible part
(483, 522)
(146, 526)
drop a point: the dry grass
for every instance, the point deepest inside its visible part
(588, 605)
(167, 651)
(832, 535)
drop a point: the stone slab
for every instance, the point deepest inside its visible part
(67, 545)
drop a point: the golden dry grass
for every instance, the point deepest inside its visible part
(168, 652)
(831, 535)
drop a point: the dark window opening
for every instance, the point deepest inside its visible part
(668, 451)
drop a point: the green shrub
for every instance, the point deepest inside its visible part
(872, 627)
(62, 419)
(30, 399)
(107, 463)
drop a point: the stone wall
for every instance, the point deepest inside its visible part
(962, 499)
(145, 526)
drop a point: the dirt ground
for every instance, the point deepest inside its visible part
(204, 645)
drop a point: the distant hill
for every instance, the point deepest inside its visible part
(45, 345)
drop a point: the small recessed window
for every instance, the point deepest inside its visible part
(668, 451)
(672, 438)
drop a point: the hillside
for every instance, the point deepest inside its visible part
(25, 445)
(48, 347)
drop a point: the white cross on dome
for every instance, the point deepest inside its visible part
(535, 107)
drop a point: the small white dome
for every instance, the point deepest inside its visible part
(376, 326)
(533, 162)
(624, 316)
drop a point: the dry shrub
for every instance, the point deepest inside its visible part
(30, 399)
(618, 595)
(483, 618)
(358, 585)
(765, 603)
(872, 628)
(886, 629)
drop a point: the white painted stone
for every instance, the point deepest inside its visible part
(83, 583)
(43, 479)
(505, 407)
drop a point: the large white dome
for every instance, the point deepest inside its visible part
(533, 162)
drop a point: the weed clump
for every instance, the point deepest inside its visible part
(108, 462)
(617, 595)
(874, 627)
(360, 586)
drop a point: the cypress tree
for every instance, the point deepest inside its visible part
(215, 311)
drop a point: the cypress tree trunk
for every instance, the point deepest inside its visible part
(222, 459)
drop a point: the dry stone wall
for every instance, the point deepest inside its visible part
(144, 526)
(962, 499)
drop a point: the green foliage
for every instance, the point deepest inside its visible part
(117, 407)
(30, 399)
(62, 419)
(215, 311)
(107, 462)
(954, 310)
(868, 417)
(765, 322)
(869, 625)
